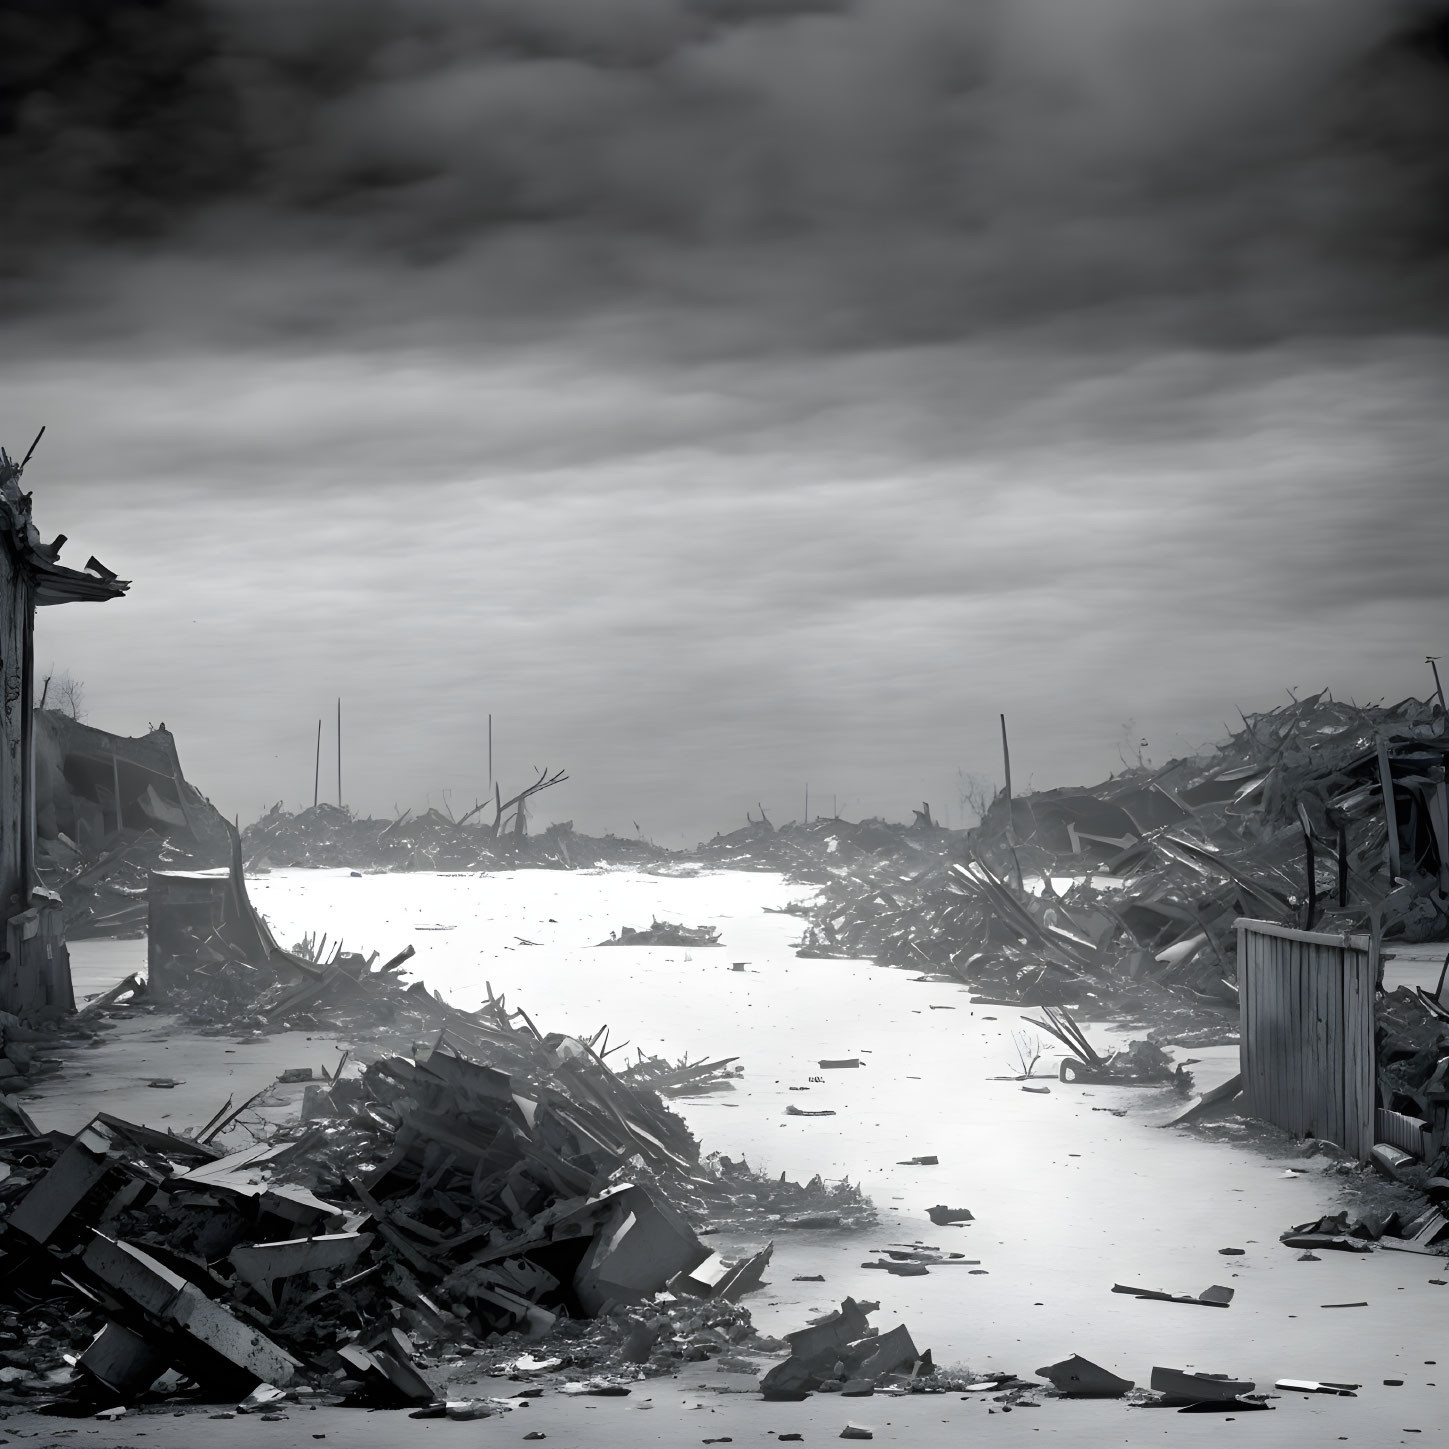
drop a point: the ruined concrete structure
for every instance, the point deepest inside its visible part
(34, 966)
(93, 788)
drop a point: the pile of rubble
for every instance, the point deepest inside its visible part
(819, 849)
(841, 1352)
(1318, 814)
(498, 1181)
(331, 836)
(1411, 1060)
(105, 895)
(1139, 1063)
(664, 933)
(1416, 1232)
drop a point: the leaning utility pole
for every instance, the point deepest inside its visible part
(339, 753)
(1006, 763)
(317, 767)
(1010, 815)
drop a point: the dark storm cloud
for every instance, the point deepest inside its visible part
(756, 172)
(727, 393)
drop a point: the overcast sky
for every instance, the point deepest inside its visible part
(727, 394)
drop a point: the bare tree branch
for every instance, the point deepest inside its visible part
(544, 782)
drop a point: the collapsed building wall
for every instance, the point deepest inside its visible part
(110, 809)
(92, 788)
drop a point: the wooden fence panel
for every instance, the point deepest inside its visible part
(1307, 1049)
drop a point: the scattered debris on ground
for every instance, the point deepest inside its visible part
(1190, 1390)
(840, 1352)
(1077, 1377)
(664, 933)
(1139, 1064)
(1341, 1232)
(817, 849)
(1214, 1297)
(944, 1216)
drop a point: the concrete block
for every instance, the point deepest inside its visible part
(873, 1358)
(44, 1211)
(132, 1277)
(829, 1337)
(239, 1351)
(640, 1246)
(123, 1361)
